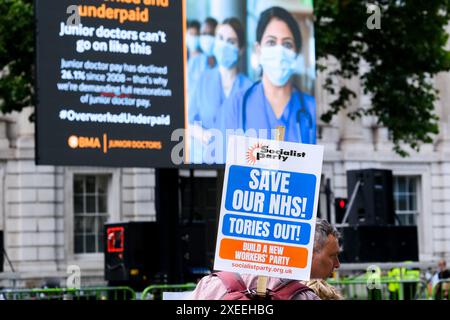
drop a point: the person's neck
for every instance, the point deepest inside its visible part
(228, 77)
(194, 53)
(278, 97)
(211, 61)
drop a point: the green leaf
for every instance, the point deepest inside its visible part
(408, 50)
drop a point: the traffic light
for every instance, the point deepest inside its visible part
(340, 206)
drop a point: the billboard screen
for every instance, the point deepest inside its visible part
(251, 68)
(110, 81)
(163, 83)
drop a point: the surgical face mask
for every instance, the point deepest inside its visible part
(300, 67)
(207, 44)
(278, 63)
(304, 70)
(226, 54)
(192, 42)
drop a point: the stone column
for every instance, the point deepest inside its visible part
(356, 138)
(442, 82)
(138, 194)
(32, 208)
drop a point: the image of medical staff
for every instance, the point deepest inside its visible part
(207, 39)
(193, 39)
(197, 61)
(275, 101)
(216, 85)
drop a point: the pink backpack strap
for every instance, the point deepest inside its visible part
(232, 281)
(287, 290)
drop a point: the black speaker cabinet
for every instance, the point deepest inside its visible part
(2, 251)
(374, 201)
(195, 249)
(132, 252)
(379, 244)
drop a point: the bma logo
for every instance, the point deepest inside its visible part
(84, 142)
(252, 153)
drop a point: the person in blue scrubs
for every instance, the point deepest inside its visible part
(193, 38)
(216, 86)
(207, 39)
(197, 60)
(274, 101)
(200, 51)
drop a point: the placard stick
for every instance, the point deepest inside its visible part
(261, 286)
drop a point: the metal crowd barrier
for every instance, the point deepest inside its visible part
(364, 289)
(155, 292)
(88, 293)
(351, 288)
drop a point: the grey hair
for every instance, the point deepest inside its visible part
(323, 230)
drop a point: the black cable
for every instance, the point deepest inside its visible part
(397, 218)
(9, 261)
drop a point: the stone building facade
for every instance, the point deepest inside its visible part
(51, 217)
(39, 209)
(48, 214)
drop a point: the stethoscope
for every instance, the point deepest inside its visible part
(304, 119)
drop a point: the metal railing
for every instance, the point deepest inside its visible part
(88, 293)
(383, 289)
(357, 288)
(155, 292)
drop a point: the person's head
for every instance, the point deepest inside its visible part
(446, 290)
(192, 35)
(209, 26)
(207, 33)
(193, 27)
(278, 42)
(442, 265)
(229, 44)
(326, 250)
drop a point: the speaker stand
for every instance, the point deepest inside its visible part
(350, 205)
(167, 205)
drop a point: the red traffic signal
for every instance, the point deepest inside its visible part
(340, 206)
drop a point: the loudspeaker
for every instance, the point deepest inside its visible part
(379, 244)
(374, 201)
(132, 253)
(195, 250)
(2, 251)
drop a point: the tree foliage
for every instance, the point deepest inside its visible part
(17, 47)
(403, 56)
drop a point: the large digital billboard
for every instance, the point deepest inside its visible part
(110, 84)
(251, 68)
(163, 83)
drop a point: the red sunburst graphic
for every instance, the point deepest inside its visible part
(251, 154)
